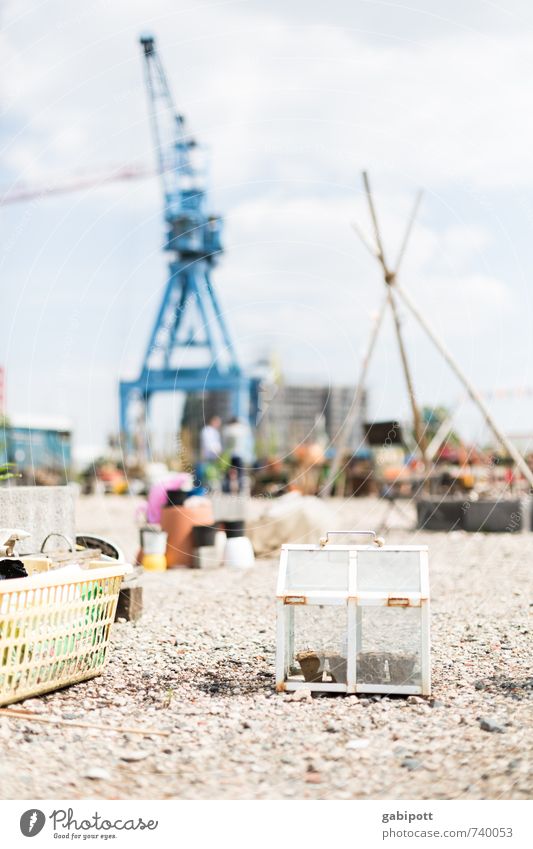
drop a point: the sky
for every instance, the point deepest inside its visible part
(293, 100)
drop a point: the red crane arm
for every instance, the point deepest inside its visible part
(23, 193)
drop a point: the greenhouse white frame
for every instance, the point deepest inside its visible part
(290, 596)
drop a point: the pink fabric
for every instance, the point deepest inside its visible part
(157, 497)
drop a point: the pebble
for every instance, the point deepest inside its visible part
(411, 764)
(35, 705)
(132, 756)
(357, 744)
(300, 696)
(97, 773)
(491, 725)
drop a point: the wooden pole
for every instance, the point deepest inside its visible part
(349, 421)
(377, 235)
(472, 392)
(408, 231)
(390, 279)
(420, 435)
(29, 716)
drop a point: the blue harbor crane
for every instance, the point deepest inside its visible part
(190, 347)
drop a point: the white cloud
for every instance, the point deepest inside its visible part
(277, 100)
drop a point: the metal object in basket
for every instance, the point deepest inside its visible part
(353, 618)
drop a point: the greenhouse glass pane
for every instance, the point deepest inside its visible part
(389, 645)
(388, 571)
(317, 644)
(317, 570)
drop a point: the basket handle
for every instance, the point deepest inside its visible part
(58, 534)
(379, 541)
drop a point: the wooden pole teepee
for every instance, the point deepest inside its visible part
(389, 277)
(392, 287)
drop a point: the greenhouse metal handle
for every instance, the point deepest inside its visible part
(379, 541)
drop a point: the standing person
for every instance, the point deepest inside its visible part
(238, 444)
(210, 447)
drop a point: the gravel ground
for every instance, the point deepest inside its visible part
(200, 665)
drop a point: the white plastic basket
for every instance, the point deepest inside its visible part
(54, 629)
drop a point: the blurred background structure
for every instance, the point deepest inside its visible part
(284, 318)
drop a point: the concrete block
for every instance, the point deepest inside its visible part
(39, 510)
(434, 514)
(504, 516)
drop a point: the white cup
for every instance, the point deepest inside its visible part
(239, 553)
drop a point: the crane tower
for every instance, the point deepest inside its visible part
(190, 348)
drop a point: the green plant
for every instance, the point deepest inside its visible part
(6, 473)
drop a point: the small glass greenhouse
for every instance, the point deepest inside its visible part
(353, 618)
